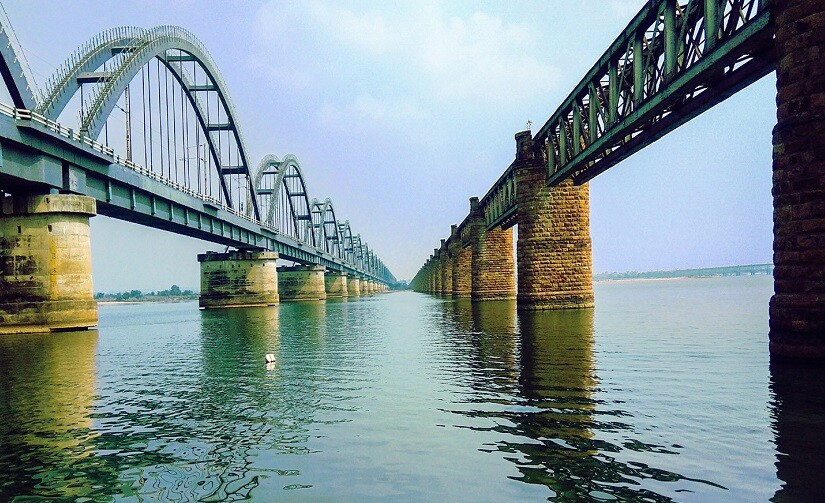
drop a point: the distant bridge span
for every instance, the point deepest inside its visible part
(141, 121)
(674, 60)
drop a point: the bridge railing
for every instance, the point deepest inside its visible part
(499, 203)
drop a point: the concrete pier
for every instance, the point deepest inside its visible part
(238, 279)
(353, 286)
(797, 309)
(335, 284)
(301, 282)
(45, 252)
(555, 265)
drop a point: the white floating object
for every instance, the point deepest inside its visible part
(269, 358)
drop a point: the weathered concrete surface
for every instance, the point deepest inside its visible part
(238, 279)
(353, 286)
(555, 264)
(335, 284)
(46, 263)
(301, 282)
(797, 309)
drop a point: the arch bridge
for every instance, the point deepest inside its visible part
(138, 124)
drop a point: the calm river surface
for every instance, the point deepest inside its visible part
(663, 392)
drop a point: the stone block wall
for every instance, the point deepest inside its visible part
(493, 268)
(797, 309)
(463, 272)
(446, 274)
(553, 251)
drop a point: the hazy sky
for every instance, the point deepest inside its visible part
(400, 111)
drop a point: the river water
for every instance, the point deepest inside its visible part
(664, 392)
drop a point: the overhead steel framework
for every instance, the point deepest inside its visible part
(142, 120)
(673, 61)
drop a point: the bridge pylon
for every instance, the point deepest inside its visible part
(492, 264)
(238, 279)
(797, 309)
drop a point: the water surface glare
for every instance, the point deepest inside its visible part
(663, 392)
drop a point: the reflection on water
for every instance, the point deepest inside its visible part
(799, 426)
(533, 380)
(46, 395)
(663, 392)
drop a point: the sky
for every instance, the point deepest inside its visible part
(401, 111)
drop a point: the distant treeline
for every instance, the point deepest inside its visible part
(734, 270)
(174, 293)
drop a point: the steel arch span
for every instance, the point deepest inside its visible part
(326, 229)
(180, 93)
(283, 197)
(128, 51)
(282, 191)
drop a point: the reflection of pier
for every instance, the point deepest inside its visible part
(799, 428)
(46, 436)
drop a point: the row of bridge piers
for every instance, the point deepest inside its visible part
(46, 269)
(553, 252)
(252, 278)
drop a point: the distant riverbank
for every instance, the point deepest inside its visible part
(707, 272)
(173, 294)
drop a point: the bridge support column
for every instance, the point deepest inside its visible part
(446, 270)
(438, 283)
(335, 284)
(553, 250)
(238, 279)
(461, 258)
(45, 252)
(353, 286)
(492, 266)
(797, 309)
(301, 282)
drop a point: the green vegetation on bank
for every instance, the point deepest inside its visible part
(707, 272)
(172, 295)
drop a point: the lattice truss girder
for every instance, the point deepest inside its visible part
(674, 61)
